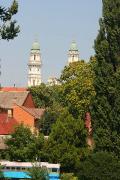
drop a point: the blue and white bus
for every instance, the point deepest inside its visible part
(19, 170)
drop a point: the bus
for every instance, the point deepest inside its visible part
(19, 170)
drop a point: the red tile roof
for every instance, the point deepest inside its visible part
(8, 89)
(7, 124)
(9, 98)
(35, 112)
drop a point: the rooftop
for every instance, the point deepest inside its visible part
(35, 112)
(9, 98)
(8, 89)
(7, 124)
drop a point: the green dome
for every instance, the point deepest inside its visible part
(73, 46)
(35, 46)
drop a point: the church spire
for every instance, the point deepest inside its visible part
(73, 54)
(34, 65)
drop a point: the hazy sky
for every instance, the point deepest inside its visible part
(56, 23)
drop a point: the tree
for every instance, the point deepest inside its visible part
(67, 142)
(100, 166)
(1, 172)
(47, 97)
(77, 87)
(43, 95)
(68, 176)
(38, 173)
(106, 104)
(50, 117)
(8, 28)
(23, 145)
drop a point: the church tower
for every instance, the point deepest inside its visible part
(73, 55)
(34, 66)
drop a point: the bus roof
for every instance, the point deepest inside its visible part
(29, 164)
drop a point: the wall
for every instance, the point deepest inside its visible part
(22, 116)
(29, 102)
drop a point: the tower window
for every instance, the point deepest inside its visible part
(33, 82)
(34, 57)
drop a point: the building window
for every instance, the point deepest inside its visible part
(10, 113)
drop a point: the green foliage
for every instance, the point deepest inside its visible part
(67, 142)
(74, 94)
(1, 172)
(100, 166)
(68, 176)
(50, 117)
(77, 87)
(23, 145)
(106, 104)
(38, 173)
(43, 95)
(8, 28)
(70, 130)
(47, 97)
(64, 117)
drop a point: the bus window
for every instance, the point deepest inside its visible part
(18, 168)
(23, 168)
(7, 168)
(54, 170)
(12, 168)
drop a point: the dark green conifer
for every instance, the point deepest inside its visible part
(106, 106)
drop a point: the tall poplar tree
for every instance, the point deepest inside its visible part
(105, 109)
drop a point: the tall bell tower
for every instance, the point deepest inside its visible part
(34, 66)
(73, 54)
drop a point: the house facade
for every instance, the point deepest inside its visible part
(17, 107)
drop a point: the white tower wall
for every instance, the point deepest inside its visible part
(73, 55)
(34, 66)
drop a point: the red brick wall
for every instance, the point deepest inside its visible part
(23, 117)
(29, 102)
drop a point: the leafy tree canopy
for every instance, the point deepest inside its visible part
(50, 117)
(77, 87)
(100, 166)
(23, 145)
(68, 176)
(38, 173)
(67, 142)
(47, 97)
(8, 28)
(43, 95)
(1, 172)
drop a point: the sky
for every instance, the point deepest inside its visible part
(55, 23)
